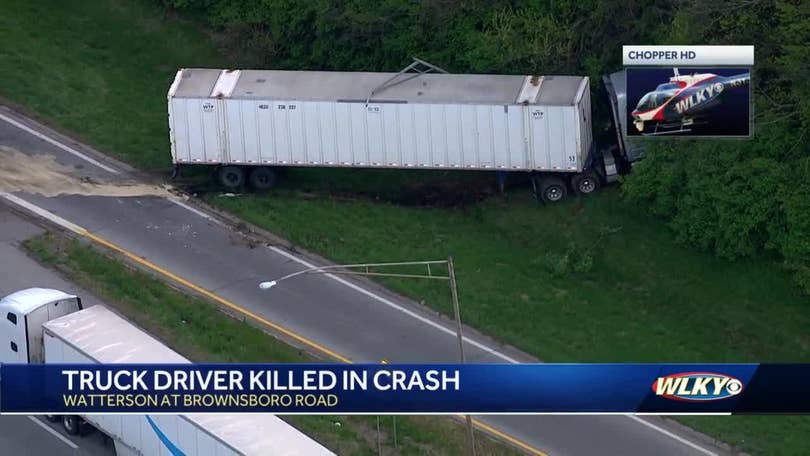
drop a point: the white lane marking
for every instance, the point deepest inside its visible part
(76, 229)
(396, 306)
(54, 432)
(58, 144)
(43, 213)
(472, 342)
(673, 436)
(194, 210)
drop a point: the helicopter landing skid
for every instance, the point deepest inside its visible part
(677, 128)
(669, 132)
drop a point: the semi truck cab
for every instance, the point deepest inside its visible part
(24, 313)
(627, 151)
(22, 333)
(42, 325)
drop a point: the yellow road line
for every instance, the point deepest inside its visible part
(277, 327)
(215, 297)
(506, 437)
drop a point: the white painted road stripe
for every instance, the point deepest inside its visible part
(398, 307)
(43, 213)
(474, 343)
(194, 210)
(72, 227)
(673, 436)
(54, 432)
(56, 143)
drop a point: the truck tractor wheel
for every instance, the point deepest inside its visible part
(585, 183)
(552, 189)
(71, 424)
(262, 178)
(53, 418)
(232, 177)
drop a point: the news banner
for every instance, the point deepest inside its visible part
(405, 388)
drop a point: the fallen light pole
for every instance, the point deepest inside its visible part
(366, 269)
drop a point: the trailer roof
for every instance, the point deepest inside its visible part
(107, 338)
(358, 86)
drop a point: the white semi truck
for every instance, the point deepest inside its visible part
(249, 123)
(43, 325)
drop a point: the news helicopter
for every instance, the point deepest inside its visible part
(677, 104)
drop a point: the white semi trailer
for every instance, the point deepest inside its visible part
(49, 326)
(250, 122)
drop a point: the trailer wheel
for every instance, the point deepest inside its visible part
(53, 418)
(262, 178)
(71, 424)
(585, 183)
(232, 177)
(552, 189)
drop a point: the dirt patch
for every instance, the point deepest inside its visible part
(43, 175)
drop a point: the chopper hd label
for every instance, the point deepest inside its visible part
(712, 102)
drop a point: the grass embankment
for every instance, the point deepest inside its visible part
(201, 332)
(591, 280)
(101, 69)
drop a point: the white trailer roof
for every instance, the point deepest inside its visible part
(337, 86)
(109, 339)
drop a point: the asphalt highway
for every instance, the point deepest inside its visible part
(350, 320)
(28, 435)
(24, 435)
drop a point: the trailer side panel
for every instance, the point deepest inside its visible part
(415, 124)
(97, 335)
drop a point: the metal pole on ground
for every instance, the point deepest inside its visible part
(393, 417)
(379, 438)
(457, 311)
(364, 269)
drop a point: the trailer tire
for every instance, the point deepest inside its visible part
(585, 183)
(262, 178)
(552, 189)
(232, 177)
(71, 424)
(53, 418)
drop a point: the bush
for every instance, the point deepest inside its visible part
(497, 36)
(574, 259)
(743, 198)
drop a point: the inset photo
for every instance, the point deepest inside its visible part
(709, 102)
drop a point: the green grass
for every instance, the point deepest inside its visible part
(590, 280)
(100, 68)
(200, 331)
(524, 275)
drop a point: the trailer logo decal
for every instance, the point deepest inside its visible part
(208, 107)
(697, 386)
(173, 449)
